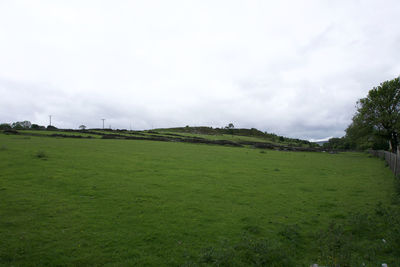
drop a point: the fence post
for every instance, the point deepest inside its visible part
(390, 161)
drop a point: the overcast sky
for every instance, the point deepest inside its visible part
(295, 68)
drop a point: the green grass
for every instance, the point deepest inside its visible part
(165, 133)
(225, 137)
(44, 132)
(128, 202)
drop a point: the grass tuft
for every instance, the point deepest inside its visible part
(41, 155)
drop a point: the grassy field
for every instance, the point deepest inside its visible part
(242, 137)
(127, 202)
(59, 132)
(225, 137)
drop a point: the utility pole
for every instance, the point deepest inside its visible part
(50, 119)
(103, 122)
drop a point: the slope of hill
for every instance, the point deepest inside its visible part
(203, 135)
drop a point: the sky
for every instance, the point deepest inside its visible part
(294, 68)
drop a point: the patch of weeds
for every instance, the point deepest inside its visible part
(262, 252)
(253, 229)
(3, 148)
(276, 169)
(291, 234)
(338, 216)
(252, 251)
(222, 256)
(262, 151)
(41, 155)
(247, 252)
(335, 246)
(361, 238)
(360, 224)
(381, 210)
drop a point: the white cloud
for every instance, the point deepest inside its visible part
(291, 67)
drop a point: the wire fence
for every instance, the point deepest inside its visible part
(391, 158)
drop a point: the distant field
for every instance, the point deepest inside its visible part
(226, 137)
(242, 137)
(128, 202)
(58, 132)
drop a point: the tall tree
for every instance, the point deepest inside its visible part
(380, 110)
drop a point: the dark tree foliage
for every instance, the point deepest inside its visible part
(5, 126)
(230, 126)
(51, 127)
(376, 123)
(20, 125)
(37, 127)
(337, 143)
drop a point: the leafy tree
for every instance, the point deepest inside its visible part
(82, 127)
(360, 135)
(230, 126)
(378, 114)
(337, 143)
(19, 125)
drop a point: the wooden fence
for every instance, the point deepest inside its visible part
(391, 158)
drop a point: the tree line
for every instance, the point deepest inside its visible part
(24, 125)
(376, 123)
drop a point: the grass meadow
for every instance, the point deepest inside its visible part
(144, 203)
